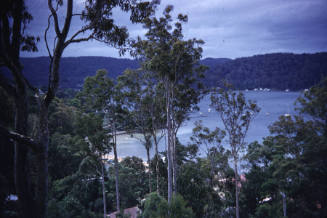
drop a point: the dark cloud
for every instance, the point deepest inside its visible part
(230, 28)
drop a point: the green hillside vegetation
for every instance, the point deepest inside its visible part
(74, 69)
(274, 71)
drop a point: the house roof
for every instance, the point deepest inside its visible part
(133, 212)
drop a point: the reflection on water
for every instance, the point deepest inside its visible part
(272, 104)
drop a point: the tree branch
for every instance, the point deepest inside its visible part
(68, 19)
(45, 36)
(55, 17)
(77, 14)
(16, 31)
(78, 40)
(22, 139)
(80, 31)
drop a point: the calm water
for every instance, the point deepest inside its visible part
(272, 104)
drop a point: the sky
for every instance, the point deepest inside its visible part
(229, 28)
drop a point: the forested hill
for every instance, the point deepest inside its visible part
(73, 70)
(277, 71)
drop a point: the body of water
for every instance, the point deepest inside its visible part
(273, 104)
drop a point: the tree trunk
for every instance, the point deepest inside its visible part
(237, 210)
(169, 141)
(174, 164)
(22, 178)
(103, 193)
(149, 168)
(154, 136)
(173, 141)
(157, 164)
(284, 203)
(212, 174)
(116, 170)
(42, 159)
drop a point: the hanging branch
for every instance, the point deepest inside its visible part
(22, 139)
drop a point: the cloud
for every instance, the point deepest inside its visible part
(230, 28)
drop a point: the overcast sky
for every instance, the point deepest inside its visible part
(230, 28)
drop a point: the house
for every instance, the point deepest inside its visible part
(133, 212)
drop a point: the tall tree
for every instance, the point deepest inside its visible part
(99, 95)
(175, 64)
(99, 25)
(14, 18)
(141, 95)
(98, 146)
(211, 142)
(236, 114)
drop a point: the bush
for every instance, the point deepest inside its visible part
(157, 207)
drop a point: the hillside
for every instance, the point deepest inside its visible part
(276, 71)
(74, 69)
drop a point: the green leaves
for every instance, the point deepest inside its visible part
(97, 91)
(164, 51)
(157, 207)
(293, 160)
(98, 18)
(202, 136)
(236, 114)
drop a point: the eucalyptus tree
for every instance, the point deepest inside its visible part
(92, 165)
(134, 97)
(100, 95)
(142, 98)
(98, 25)
(174, 62)
(236, 113)
(211, 143)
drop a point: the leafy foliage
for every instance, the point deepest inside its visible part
(157, 207)
(292, 161)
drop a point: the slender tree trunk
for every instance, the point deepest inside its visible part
(22, 179)
(169, 141)
(116, 170)
(149, 168)
(157, 164)
(284, 203)
(154, 136)
(103, 194)
(237, 210)
(174, 164)
(173, 141)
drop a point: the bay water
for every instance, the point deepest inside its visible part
(273, 104)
